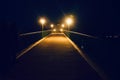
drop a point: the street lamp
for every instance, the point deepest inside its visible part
(54, 30)
(42, 21)
(52, 25)
(69, 21)
(61, 30)
(62, 25)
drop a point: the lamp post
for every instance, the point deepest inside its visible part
(42, 21)
(69, 21)
(52, 25)
(62, 25)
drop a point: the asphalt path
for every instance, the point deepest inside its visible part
(54, 57)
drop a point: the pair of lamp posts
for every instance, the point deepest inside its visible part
(68, 21)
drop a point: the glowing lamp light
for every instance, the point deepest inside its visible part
(54, 30)
(69, 21)
(52, 25)
(63, 25)
(42, 21)
(61, 30)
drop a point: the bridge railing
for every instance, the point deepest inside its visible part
(94, 48)
(45, 32)
(26, 39)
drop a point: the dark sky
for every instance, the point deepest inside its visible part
(97, 17)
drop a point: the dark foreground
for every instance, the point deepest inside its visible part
(53, 58)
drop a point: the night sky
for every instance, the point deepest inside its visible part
(95, 17)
